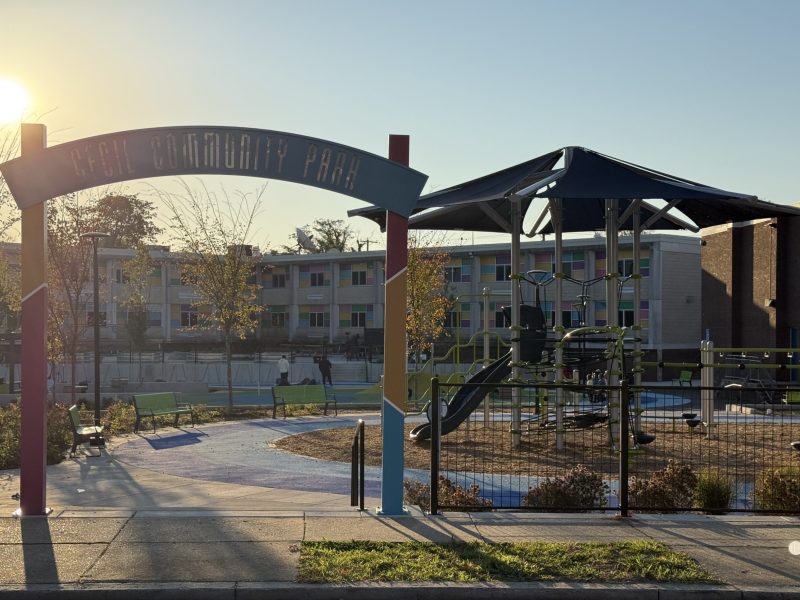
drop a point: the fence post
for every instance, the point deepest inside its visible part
(436, 436)
(624, 442)
(706, 383)
(362, 454)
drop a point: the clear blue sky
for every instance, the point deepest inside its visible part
(707, 90)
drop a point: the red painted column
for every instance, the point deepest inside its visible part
(394, 327)
(33, 436)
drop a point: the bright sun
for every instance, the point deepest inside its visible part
(13, 101)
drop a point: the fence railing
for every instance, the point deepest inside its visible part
(357, 454)
(642, 448)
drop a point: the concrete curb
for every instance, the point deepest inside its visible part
(400, 591)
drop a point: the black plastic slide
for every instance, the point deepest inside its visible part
(467, 398)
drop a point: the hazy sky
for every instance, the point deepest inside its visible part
(706, 90)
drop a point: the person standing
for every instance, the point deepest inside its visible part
(325, 368)
(283, 369)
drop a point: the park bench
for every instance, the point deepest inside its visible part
(81, 433)
(302, 394)
(684, 378)
(158, 404)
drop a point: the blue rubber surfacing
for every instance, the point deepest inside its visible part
(241, 453)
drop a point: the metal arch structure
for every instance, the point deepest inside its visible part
(41, 173)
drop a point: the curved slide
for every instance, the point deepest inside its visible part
(467, 398)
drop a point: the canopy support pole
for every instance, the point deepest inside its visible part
(557, 218)
(612, 315)
(516, 331)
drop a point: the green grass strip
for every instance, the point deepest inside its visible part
(616, 562)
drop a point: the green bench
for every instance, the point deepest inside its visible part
(158, 404)
(302, 394)
(684, 378)
(82, 433)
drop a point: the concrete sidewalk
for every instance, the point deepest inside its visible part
(121, 531)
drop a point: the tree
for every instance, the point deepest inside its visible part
(128, 220)
(69, 275)
(9, 148)
(327, 234)
(428, 303)
(137, 271)
(216, 259)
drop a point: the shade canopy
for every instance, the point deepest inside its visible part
(586, 179)
(470, 203)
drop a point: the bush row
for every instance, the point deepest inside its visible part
(675, 487)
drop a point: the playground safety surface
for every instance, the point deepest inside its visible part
(148, 518)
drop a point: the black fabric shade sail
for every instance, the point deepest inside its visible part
(583, 183)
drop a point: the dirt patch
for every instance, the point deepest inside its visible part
(740, 450)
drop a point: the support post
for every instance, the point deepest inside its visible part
(33, 435)
(706, 385)
(516, 329)
(612, 317)
(394, 370)
(557, 216)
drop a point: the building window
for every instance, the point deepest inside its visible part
(452, 319)
(625, 317)
(121, 276)
(278, 319)
(154, 316)
(500, 319)
(625, 267)
(359, 277)
(358, 319)
(316, 319)
(90, 318)
(317, 279)
(502, 272)
(279, 280)
(452, 274)
(189, 316)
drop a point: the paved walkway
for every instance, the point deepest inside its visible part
(131, 523)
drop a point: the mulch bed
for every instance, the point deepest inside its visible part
(740, 450)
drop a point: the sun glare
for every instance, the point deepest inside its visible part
(13, 101)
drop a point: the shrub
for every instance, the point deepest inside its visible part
(713, 492)
(203, 414)
(779, 489)
(59, 435)
(300, 410)
(450, 494)
(669, 489)
(9, 436)
(580, 488)
(120, 417)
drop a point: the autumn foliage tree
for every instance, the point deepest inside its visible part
(327, 234)
(213, 233)
(137, 275)
(428, 303)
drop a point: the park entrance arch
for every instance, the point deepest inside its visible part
(41, 173)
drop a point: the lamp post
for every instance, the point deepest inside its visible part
(94, 236)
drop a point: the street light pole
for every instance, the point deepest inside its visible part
(94, 236)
